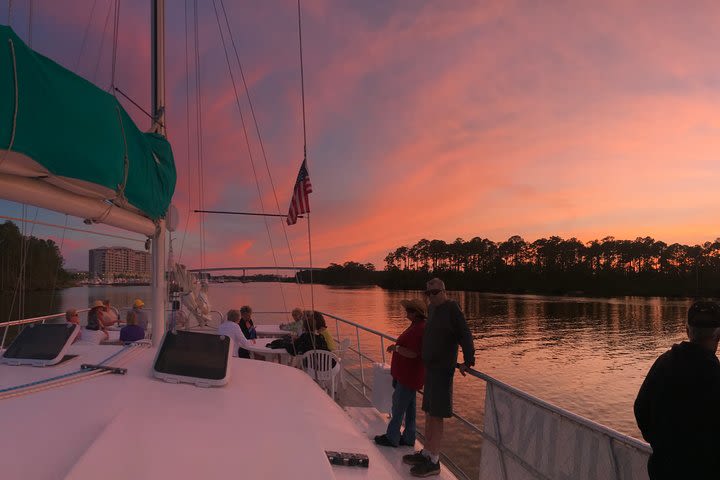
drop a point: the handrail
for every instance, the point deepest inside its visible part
(361, 327)
(37, 319)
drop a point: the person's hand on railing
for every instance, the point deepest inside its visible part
(390, 348)
(463, 368)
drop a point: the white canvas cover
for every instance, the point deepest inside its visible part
(527, 439)
(382, 390)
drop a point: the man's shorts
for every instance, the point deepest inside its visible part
(437, 394)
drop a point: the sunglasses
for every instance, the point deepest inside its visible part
(434, 291)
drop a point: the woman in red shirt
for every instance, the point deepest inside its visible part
(408, 375)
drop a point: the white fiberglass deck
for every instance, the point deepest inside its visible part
(269, 422)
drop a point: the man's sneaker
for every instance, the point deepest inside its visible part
(425, 469)
(415, 458)
(384, 441)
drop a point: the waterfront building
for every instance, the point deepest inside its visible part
(112, 263)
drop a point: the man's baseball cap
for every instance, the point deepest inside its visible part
(704, 315)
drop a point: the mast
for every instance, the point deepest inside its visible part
(158, 126)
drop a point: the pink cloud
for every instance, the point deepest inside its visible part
(441, 121)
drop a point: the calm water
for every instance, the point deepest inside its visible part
(588, 355)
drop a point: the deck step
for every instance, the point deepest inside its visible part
(371, 422)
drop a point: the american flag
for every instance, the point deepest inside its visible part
(300, 202)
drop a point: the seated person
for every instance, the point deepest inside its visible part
(141, 314)
(322, 329)
(309, 340)
(108, 314)
(94, 332)
(246, 323)
(132, 332)
(71, 316)
(295, 327)
(230, 328)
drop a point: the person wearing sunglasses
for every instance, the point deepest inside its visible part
(446, 328)
(676, 408)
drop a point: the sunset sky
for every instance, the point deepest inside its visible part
(424, 120)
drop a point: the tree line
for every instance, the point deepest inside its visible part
(553, 265)
(43, 261)
(643, 266)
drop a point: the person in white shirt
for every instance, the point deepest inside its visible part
(230, 328)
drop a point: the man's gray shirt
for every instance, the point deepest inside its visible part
(445, 329)
(142, 318)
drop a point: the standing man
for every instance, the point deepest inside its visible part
(677, 406)
(446, 328)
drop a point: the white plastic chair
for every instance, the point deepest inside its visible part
(319, 365)
(340, 352)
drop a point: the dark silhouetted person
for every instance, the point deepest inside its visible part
(677, 406)
(446, 328)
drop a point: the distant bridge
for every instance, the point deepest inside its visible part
(222, 269)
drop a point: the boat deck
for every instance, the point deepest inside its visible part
(371, 422)
(270, 421)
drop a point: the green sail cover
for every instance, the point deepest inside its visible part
(74, 129)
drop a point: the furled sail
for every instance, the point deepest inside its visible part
(58, 128)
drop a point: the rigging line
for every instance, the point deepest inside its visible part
(302, 80)
(59, 265)
(102, 42)
(260, 141)
(136, 104)
(16, 105)
(222, 212)
(23, 266)
(21, 283)
(116, 28)
(312, 292)
(198, 114)
(30, 22)
(72, 229)
(247, 142)
(187, 133)
(302, 96)
(85, 36)
(24, 245)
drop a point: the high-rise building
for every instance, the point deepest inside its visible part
(111, 262)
